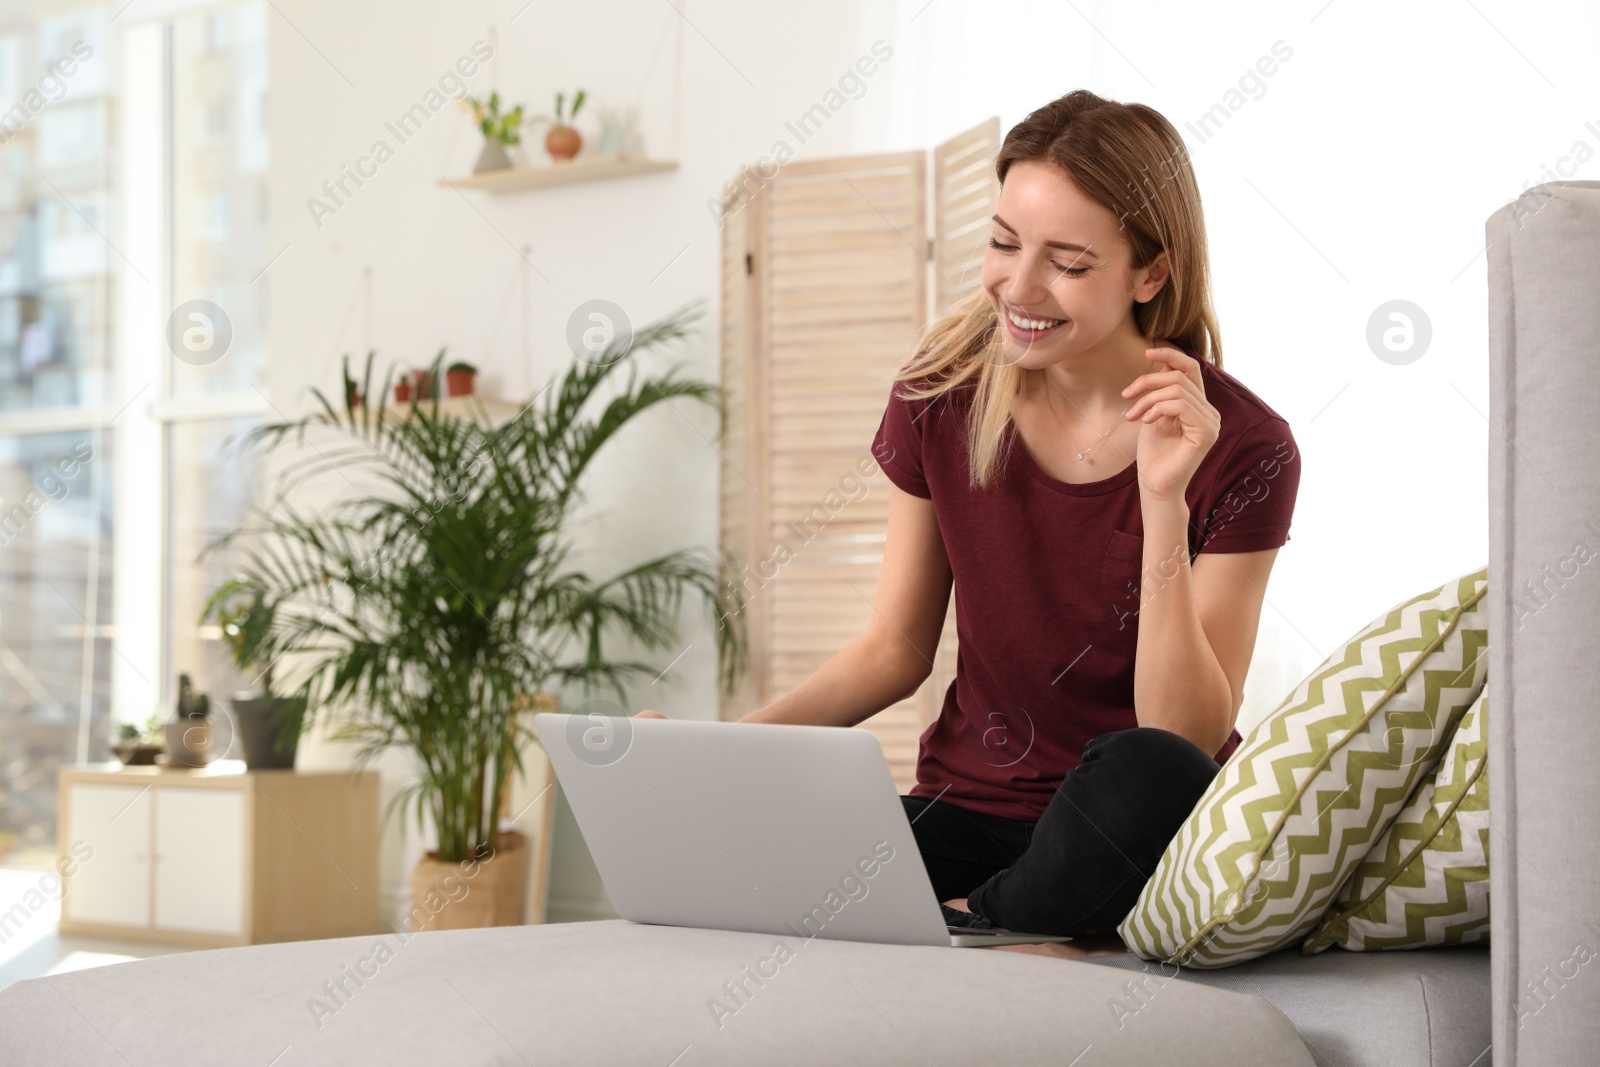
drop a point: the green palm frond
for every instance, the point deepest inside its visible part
(438, 587)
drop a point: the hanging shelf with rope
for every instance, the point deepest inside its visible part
(586, 168)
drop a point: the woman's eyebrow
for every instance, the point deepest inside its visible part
(1064, 245)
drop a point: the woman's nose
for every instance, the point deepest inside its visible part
(1025, 286)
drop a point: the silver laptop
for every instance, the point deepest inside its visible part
(749, 826)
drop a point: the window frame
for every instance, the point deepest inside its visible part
(143, 186)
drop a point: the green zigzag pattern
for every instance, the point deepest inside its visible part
(1426, 881)
(1314, 784)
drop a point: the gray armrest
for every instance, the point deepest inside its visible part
(1544, 582)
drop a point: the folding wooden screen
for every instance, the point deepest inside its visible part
(829, 269)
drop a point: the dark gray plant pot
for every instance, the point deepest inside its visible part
(259, 720)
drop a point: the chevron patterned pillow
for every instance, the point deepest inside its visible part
(1298, 805)
(1426, 881)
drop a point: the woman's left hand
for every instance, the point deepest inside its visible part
(1179, 423)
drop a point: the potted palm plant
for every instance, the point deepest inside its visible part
(430, 610)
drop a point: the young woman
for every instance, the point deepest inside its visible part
(1066, 449)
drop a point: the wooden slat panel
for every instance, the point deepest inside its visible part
(742, 506)
(838, 292)
(964, 196)
(840, 289)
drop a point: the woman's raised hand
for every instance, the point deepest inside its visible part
(1179, 425)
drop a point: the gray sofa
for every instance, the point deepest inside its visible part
(613, 992)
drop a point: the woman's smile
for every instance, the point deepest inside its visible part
(1030, 327)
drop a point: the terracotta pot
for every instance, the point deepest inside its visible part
(491, 891)
(402, 392)
(424, 382)
(563, 143)
(459, 382)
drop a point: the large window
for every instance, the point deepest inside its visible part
(218, 64)
(57, 514)
(133, 171)
(56, 270)
(210, 488)
(55, 602)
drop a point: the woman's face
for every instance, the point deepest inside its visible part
(1058, 269)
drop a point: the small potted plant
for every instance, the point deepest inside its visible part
(137, 747)
(563, 142)
(268, 725)
(498, 131)
(189, 733)
(403, 390)
(458, 378)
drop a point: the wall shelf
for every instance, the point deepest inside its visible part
(452, 407)
(582, 169)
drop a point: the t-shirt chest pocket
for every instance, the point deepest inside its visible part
(1120, 578)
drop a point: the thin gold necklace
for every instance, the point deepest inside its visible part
(1083, 455)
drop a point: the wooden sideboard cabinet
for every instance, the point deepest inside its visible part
(218, 855)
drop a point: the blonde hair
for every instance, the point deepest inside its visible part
(1129, 159)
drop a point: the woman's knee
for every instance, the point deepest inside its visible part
(1150, 752)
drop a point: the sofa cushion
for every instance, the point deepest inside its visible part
(1426, 881)
(1428, 1008)
(616, 992)
(1299, 803)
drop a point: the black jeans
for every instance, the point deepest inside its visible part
(1081, 867)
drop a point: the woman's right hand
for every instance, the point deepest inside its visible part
(648, 714)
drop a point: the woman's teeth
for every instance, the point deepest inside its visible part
(1032, 324)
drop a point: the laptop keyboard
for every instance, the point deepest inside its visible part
(963, 921)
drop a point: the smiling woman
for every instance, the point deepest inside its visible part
(1065, 424)
(1063, 449)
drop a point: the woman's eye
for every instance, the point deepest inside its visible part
(1070, 272)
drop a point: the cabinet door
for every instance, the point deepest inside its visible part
(199, 844)
(110, 830)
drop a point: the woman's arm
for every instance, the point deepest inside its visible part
(1197, 625)
(1178, 684)
(894, 654)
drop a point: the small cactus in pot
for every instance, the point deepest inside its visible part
(189, 740)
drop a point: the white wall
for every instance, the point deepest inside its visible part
(1360, 171)
(443, 263)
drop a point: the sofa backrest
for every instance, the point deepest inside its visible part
(1544, 623)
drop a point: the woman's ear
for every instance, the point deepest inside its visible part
(1148, 280)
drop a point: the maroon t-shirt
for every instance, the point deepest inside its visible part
(1047, 577)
